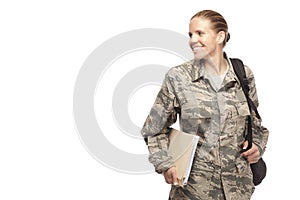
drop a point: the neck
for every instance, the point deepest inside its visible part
(216, 64)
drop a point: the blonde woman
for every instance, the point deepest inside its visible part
(206, 95)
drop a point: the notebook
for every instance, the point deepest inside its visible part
(182, 149)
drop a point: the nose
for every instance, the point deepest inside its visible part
(193, 38)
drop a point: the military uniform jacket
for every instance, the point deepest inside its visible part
(218, 116)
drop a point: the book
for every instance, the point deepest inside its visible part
(182, 149)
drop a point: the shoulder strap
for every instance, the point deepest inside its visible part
(240, 72)
(239, 69)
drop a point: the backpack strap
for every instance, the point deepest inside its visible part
(239, 69)
(240, 72)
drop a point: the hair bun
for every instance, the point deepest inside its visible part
(228, 37)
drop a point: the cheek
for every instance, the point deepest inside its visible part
(205, 40)
(212, 41)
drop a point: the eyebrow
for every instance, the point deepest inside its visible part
(197, 31)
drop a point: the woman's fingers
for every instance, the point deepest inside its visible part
(171, 176)
(252, 155)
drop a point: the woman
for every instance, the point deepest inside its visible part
(208, 98)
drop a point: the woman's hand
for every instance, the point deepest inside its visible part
(252, 155)
(171, 176)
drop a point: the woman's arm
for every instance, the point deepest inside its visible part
(157, 126)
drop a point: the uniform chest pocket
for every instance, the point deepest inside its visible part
(242, 109)
(236, 119)
(196, 120)
(242, 105)
(239, 106)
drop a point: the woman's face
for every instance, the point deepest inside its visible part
(204, 41)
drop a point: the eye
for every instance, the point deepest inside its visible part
(199, 33)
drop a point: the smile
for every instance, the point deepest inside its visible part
(197, 48)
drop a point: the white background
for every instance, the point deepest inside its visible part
(43, 45)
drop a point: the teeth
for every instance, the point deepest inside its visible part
(197, 48)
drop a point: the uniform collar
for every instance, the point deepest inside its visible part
(230, 78)
(198, 71)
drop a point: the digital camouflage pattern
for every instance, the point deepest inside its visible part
(218, 116)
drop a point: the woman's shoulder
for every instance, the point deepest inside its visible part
(248, 70)
(249, 73)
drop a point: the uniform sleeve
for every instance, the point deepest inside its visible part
(157, 126)
(260, 134)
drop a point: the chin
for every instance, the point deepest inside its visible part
(202, 54)
(199, 57)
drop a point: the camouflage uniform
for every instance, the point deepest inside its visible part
(218, 116)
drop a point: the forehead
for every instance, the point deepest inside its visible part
(200, 23)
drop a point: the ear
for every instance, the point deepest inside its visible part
(221, 37)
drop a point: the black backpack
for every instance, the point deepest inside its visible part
(258, 169)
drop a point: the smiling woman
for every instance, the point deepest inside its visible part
(207, 31)
(206, 95)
